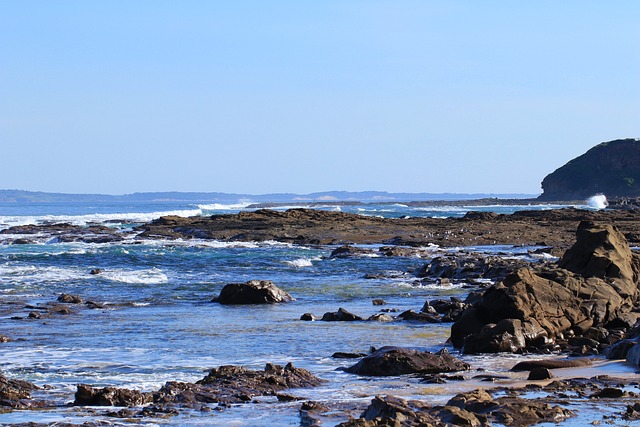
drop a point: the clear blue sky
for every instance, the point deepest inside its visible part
(301, 96)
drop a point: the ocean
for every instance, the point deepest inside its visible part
(157, 322)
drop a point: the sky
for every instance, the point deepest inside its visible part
(258, 97)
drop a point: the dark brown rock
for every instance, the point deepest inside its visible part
(597, 285)
(17, 394)
(70, 299)
(529, 365)
(341, 315)
(235, 384)
(109, 396)
(252, 292)
(537, 374)
(399, 361)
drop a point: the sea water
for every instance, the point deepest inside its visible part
(158, 323)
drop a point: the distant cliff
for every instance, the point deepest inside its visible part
(611, 168)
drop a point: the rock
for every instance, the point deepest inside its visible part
(96, 271)
(109, 396)
(452, 415)
(235, 384)
(378, 302)
(387, 411)
(252, 292)
(309, 414)
(389, 360)
(70, 299)
(505, 336)
(419, 317)
(17, 394)
(620, 349)
(529, 365)
(610, 393)
(476, 408)
(349, 251)
(633, 355)
(380, 317)
(594, 284)
(537, 374)
(341, 315)
(308, 317)
(342, 355)
(611, 168)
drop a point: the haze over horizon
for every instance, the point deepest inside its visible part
(285, 97)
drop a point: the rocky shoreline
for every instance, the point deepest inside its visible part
(554, 228)
(584, 304)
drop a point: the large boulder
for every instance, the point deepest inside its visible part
(390, 360)
(252, 292)
(594, 285)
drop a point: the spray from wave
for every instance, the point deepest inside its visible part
(599, 201)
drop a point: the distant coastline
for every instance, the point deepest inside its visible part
(23, 196)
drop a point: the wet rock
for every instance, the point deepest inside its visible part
(528, 365)
(93, 305)
(252, 292)
(505, 336)
(96, 271)
(70, 299)
(378, 302)
(386, 411)
(458, 417)
(17, 394)
(308, 317)
(342, 355)
(380, 317)
(451, 310)
(537, 374)
(109, 396)
(400, 251)
(419, 317)
(620, 349)
(399, 361)
(470, 266)
(347, 251)
(610, 393)
(476, 408)
(309, 414)
(234, 384)
(341, 315)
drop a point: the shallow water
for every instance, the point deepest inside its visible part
(158, 323)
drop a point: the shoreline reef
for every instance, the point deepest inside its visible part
(570, 312)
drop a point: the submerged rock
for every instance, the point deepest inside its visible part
(252, 292)
(389, 360)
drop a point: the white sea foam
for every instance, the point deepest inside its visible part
(151, 276)
(599, 201)
(300, 262)
(223, 207)
(81, 220)
(28, 274)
